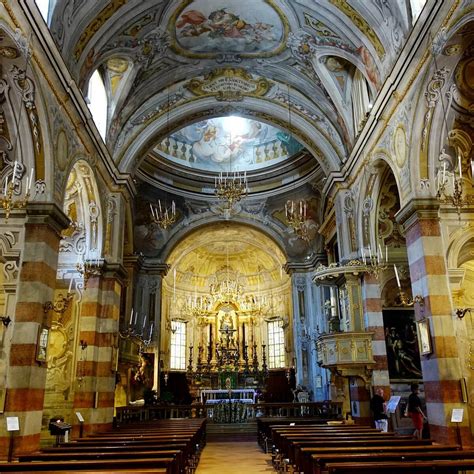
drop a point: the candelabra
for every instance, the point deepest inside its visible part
(457, 198)
(90, 268)
(231, 187)
(375, 262)
(137, 337)
(60, 305)
(295, 214)
(405, 300)
(8, 203)
(162, 215)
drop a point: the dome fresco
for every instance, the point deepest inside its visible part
(228, 144)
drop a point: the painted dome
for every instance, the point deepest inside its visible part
(228, 144)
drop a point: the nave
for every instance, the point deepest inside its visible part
(237, 457)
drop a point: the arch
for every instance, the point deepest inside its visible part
(184, 232)
(306, 131)
(82, 204)
(439, 83)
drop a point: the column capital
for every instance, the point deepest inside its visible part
(418, 209)
(47, 213)
(305, 266)
(115, 270)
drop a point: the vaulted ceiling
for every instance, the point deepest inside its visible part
(286, 63)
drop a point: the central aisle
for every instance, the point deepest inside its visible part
(233, 458)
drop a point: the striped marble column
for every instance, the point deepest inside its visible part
(429, 278)
(373, 322)
(97, 351)
(26, 375)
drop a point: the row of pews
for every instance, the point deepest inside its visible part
(161, 446)
(354, 449)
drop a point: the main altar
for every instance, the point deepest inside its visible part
(229, 363)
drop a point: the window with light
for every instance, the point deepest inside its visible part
(97, 102)
(276, 345)
(178, 345)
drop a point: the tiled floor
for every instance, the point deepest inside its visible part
(234, 458)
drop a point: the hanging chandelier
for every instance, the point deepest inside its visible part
(226, 290)
(296, 216)
(162, 215)
(231, 187)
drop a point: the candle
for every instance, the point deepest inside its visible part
(396, 275)
(136, 317)
(14, 170)
(144, 322)
(363, 255)
(444, 173)
(472, 170)
(70, 286)
(131, 317)
(386, 254)
(151, 329)
(380, 253)
(6, 187)
(460, 165)
(31, 179)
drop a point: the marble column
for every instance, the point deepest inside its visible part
(98, 333)
(429, 279)
(26, 375)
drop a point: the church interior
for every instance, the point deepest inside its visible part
(225, 212)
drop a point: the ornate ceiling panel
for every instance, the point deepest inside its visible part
(287, 64)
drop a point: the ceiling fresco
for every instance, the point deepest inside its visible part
(246, 27)
(175, 71)
(226, 144)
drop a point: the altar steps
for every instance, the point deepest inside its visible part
(232, 432)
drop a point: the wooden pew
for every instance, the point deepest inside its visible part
(304, 455)
(320, 461)
(408, 467)
(168, 464)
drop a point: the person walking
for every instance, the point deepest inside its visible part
(379, 408)
(415, 412)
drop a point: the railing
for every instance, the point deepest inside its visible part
(324, 410)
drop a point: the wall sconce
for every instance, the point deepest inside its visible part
(6, 320)
(407, 301)
(461, 312)
(89, 269)
(83, 344)
(60, 305)
(166, 376)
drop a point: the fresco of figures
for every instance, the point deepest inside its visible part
(238, 27)
(229, 144)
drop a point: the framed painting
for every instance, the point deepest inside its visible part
(424, 336)
(403, 350)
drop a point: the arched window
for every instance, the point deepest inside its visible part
(276, 345)
(360, 100)
(97, 102)
(43, 7)
(416, 7)
(178, 345)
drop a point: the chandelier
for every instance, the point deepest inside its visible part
(457, 198)
(231, 187)
(162, 215)
(226, 290)
(375, 261)
(295, 213)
